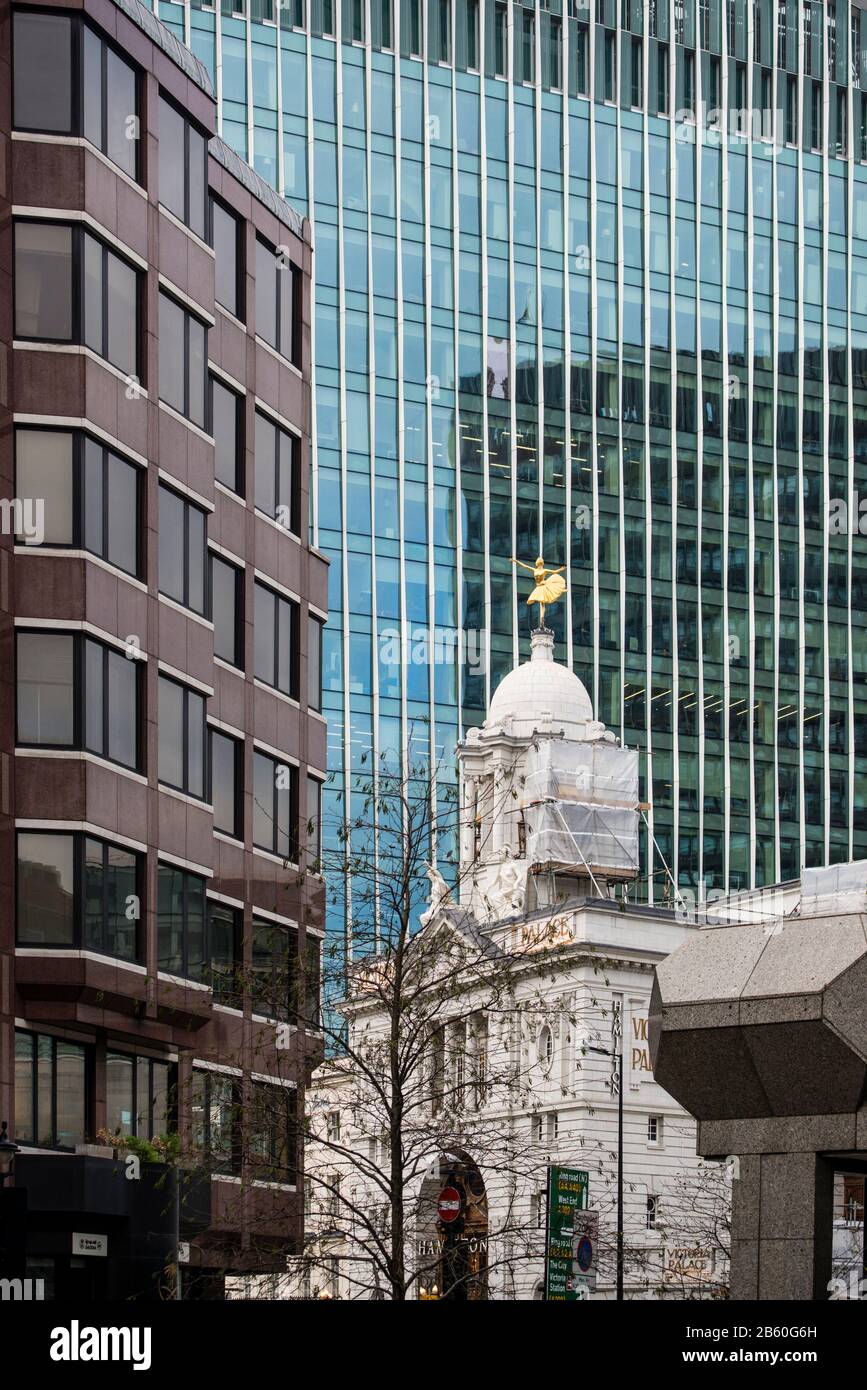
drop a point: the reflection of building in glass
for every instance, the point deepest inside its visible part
(682, 313)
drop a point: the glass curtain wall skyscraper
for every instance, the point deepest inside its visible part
(592, 283)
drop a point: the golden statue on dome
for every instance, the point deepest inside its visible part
(549, 585)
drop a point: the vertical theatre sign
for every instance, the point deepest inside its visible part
(567, 1194)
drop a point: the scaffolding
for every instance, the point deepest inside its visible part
(581, 807)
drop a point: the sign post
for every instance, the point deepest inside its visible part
(567, 1196)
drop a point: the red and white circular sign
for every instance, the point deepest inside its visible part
(449, 1204)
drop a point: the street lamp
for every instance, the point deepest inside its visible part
(8, 1150)
(618, 1058)
(426, 1295)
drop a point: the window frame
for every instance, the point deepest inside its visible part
(171, 1090)
(77, 121)
(187, 691)
(79, 503)
(231, 994)
(87, 1099)
(238, 488)
(237, 661)
(80, 696)
(79, 942)
(188, 317)
(294, 529)
(78, 233)
(267, 1167)
(185, 972)
(189, 505)
(231, 1165)
(293, 792)
(238, 312)
(282, 263)
(188, 126)
(294, 661)
(237, 831)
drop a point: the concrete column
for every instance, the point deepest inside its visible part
(782, 1207)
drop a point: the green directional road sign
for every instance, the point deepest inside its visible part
(567, 1193)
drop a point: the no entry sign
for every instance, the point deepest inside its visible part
(449, 1204)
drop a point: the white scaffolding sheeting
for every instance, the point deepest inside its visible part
(581, 806)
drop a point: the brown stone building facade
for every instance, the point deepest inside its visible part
(161, 741)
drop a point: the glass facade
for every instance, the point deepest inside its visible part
(589, 282)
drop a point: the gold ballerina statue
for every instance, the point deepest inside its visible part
(549, 585)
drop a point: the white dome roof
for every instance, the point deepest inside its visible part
(541, 687)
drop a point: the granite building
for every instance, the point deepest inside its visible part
(588, 282)
(162, 745)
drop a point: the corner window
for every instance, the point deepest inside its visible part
(181, 738)
(182, 168)
(138, 1095)
(226, 242)
(275, 806)
(183, 531)
(180, 922)
(68, 81)
(74, 491)
(183, 354)
(78, 891)
(226, 610)
(225, 416)
(51, 1090)
(277, 477)
(70, 288)
(73, 692)
(226, 783)
(276, 286)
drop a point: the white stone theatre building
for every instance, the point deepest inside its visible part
(544, 882)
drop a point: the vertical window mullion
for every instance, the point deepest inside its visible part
(106, 509)
(103, 923)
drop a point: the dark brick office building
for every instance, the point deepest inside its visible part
(161, 745)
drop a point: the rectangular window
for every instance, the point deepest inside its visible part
(314, 662)
(73, 692)
(662, 79)
(274, 1133)
(70, 288)
(225, 238)
(528, 46)
(637, 74)
(274, 970)
(654, 1129)
(224, 954)
(275, 299)
(791, 110)
(652, 1213)
(275, 640)
(77, 891)
(554, 54)
(225, 423)
(815, 115)
(277, 479)
(52, 1082)
(501, 30)
(68, 81)
(444, 30)
(183, 550)
(472, 21)
(183, 354)
(227, 596)
(183, 164)
(226, 766)
(275, 806)
(216, 1111)
(139, 1095)
(410, 28)
(180, 922)
(181, 738)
